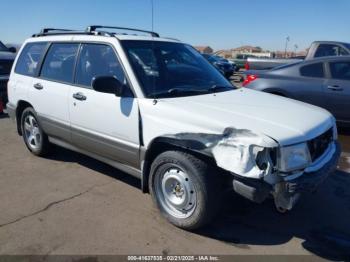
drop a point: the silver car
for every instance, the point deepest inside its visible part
(323, 82)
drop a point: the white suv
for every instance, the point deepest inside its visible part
(155, 108)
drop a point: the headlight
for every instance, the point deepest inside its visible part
(294, 157)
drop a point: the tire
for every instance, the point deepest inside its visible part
(185, 189)
(33, 135)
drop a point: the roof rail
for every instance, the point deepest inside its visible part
(58, 31)
(92, 28)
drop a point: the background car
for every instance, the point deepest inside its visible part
(224, 66)
(241, 60)
(323, 82)
(7, 57)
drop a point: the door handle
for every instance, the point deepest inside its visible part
(335, 88)
(38, 86)
(79, 96)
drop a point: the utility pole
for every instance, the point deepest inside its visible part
(295, 49)
(285, 50)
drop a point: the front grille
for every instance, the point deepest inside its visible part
(318, 145)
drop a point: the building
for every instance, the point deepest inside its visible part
(204, 49)
(250, 50)
(247, 49)
(223, 53)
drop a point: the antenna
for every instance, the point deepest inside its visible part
(152, 14)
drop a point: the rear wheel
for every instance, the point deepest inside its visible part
(34, 137)
(185, 189)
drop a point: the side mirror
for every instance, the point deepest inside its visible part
(12, 49)
(107, 84)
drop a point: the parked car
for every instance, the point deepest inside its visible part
(317, 49)
(7, 57)
(323, 82)
(172, 121)
(224, 66)
(241, 60)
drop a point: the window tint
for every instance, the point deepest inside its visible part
(340, 70)
(29, 58)
(330, 50)
(313, 70)
(97, 60)
(59, 62)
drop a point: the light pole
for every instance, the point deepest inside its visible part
(295, 49)
(285, 50)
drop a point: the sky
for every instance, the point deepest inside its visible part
(221, 24)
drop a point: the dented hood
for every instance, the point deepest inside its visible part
(285, 120)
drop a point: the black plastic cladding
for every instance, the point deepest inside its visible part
(90, 30)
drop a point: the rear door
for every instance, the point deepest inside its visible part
(49, 92)
(309, 87)
(102, 123)
(337, 89)
(26, 68)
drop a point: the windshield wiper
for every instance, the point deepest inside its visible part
(177, 91)
(215, 88)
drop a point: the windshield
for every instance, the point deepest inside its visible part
(347, 46)
(3, 47)
(166, 69)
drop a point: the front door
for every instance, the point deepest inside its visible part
(103, 123)
(337, 88)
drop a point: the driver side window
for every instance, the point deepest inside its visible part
(97, 60)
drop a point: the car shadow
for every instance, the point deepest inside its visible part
(3, 115)
(320, 220)
(65, 155)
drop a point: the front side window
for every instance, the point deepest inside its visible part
(59, 62)
(29, 58)
(330, 50)
(313, 70)
(98, 60)
(340, 70)
(166, 69)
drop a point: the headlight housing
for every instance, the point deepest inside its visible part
(294, 157)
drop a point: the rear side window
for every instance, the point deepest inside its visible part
(313, 70)
(59, 62)
(330, 50)
(340, 70)
(27, 63)
(97, 60)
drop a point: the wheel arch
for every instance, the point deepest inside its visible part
(164, 143)
(21, 106)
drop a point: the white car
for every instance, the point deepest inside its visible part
(155, 108)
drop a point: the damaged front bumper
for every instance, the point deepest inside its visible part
(287, 191)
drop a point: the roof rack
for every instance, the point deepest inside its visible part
(92, 28)
(58, 31)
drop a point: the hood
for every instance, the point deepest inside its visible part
(285, 120)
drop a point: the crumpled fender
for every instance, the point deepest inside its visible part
(235, 150)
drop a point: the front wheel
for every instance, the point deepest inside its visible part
(185, 189)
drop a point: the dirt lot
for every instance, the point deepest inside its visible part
(72, 204)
